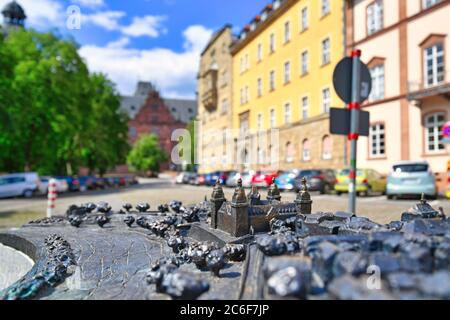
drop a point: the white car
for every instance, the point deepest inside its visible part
(180, 177)
(61, 185)
(19, 184)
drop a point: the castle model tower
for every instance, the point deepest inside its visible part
(13, 16)
(217, 200)
(239, 211)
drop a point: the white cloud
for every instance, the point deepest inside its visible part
(41, 13)
(173, 72)
(90, 3)
(150, 26)
(121, 43)
(108, 20)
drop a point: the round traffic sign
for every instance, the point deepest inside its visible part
(342, 80)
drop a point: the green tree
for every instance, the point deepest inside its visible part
(55, 116)
(147, 154)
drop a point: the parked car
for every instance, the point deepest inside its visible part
(20, 184)
(73, 183)
(188, 176)
(368, 181)
(86, 183)
(200, 180)
(220, 176)
(61, 185)
(100, 183)
(247, 178)
(264, 178)
(322, 180)
(233, 178)
(180, 177)
(286, 181)
(209, 179)
(411, 178)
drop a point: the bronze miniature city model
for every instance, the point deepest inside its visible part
(246, 215)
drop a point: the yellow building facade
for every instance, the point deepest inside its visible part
(283, 64)
(214, 89)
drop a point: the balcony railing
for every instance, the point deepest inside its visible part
(419, 90)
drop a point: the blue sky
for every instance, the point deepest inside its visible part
(153, 40)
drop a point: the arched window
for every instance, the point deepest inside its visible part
(306, 150)
(327, 148)
(434, 124)
(261, 159)
(289, 152)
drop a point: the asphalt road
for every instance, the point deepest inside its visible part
(157, 191)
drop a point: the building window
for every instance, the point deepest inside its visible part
(225, 106)
(326, 100)
(242, 96)
(272, 42)
(377, 73)
(287, 113)
(306, 150)
(429, 3)
(377, 140)
(259, 122)
(247, 63)
(305, 63)
(261, 157)
(433, 132)
(375, 17)
(326, 58)
(259, 87)
(325, 7)
(246, 95)
(287, 72)
(272, 80)
(304, 19)
(272, 119)
(224, 81)
(289, 152)
(434, 65)
(327, 148)
(287, 32)
(305, 107)
(260, 52)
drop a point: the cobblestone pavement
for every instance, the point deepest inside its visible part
(157, 191)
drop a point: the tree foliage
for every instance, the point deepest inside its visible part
(147, 154)
(55, 116)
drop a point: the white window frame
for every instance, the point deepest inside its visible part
(259, 87)
(306, 153)
(327, 154)
(376, 149)
(272, 80)
(429, 3)
(272, 43)
(378, 82)
(304, 62)
(326, 100)
(375, 17)
(289, 158)
(287, 113)
(436, 76)
(325, 7)
(259, 121)
(287, 72)
(304, 18)
(260, 52)
(287, 31)
(273, 118)
(436, 133)
(326, 51)
(305, 107)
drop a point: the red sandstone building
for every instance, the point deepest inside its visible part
(151, 114)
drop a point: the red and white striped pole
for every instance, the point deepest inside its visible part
(52, 195)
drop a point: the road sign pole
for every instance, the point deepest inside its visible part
(355, 107)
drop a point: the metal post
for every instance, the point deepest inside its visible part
(52, 195)
(354, 107)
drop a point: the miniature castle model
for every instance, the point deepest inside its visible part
(245, 215)
(13, 16)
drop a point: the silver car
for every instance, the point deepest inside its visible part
(20, 184)
(411, 178)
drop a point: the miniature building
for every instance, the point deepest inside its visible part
(245, 214)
